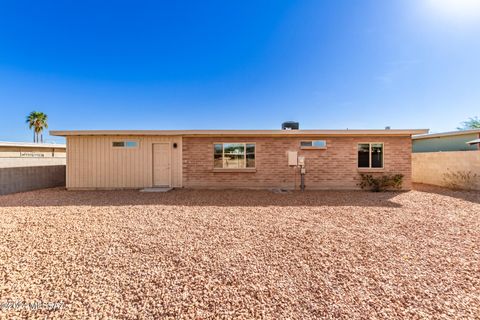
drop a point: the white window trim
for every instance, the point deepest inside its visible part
(244, 155)
(370, 156)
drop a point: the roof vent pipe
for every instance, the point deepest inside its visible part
(290, 125)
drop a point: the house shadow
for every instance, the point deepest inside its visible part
(199, 197)
(467, 195)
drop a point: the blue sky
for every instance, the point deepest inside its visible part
(329, 64)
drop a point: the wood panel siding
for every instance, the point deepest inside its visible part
(446, 143)
(92, 162)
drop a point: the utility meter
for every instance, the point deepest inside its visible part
(301, 161)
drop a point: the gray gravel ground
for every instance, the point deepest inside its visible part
(240, 254)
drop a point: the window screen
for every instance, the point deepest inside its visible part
(314, 144)
(131, 144)
(118, 144)
(124, 144)
(377, 155)
(364, 155)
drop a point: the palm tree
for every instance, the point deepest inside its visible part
(37, 121)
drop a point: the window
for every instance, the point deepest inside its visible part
(313, 144)
(234, 155)
(370, 155)
(124, 144)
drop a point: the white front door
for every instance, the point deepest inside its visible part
(161, 164)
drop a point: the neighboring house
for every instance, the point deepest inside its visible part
(447, 141)
(445, 159)
(334, 159)
(28, 166)
(26, 154)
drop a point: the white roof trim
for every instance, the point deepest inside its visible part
(31, 145)
(473, 141)
(392, 132)
(445, 134)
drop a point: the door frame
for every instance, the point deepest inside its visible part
(169, 145)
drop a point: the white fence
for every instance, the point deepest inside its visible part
(458, 169)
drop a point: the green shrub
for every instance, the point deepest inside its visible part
(381, 183)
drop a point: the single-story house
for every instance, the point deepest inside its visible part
(463, 140)
(333, 159)
(27, 154)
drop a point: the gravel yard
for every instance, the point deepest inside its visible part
(241, 254)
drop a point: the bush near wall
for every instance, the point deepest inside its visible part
(381, 183)
(460, 180)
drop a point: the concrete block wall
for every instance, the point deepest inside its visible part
(31, 162)
(18, 179)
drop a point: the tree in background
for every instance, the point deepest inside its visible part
(37, 121)
(471, 123)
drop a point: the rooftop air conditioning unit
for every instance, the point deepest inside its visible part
(290, 125)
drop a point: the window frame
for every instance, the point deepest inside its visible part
(125, 142)
(370, 156)
(245, 168)
(312, 147)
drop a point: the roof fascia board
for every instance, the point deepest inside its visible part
(244, 133)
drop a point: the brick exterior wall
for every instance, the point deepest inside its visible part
(332, 168)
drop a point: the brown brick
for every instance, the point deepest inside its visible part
(333, 168)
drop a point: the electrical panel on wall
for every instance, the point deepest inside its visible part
(292, 158)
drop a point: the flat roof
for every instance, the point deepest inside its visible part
(31, 145)
(209, 133)
(445, 134)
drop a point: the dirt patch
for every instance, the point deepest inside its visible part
(240, 254)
